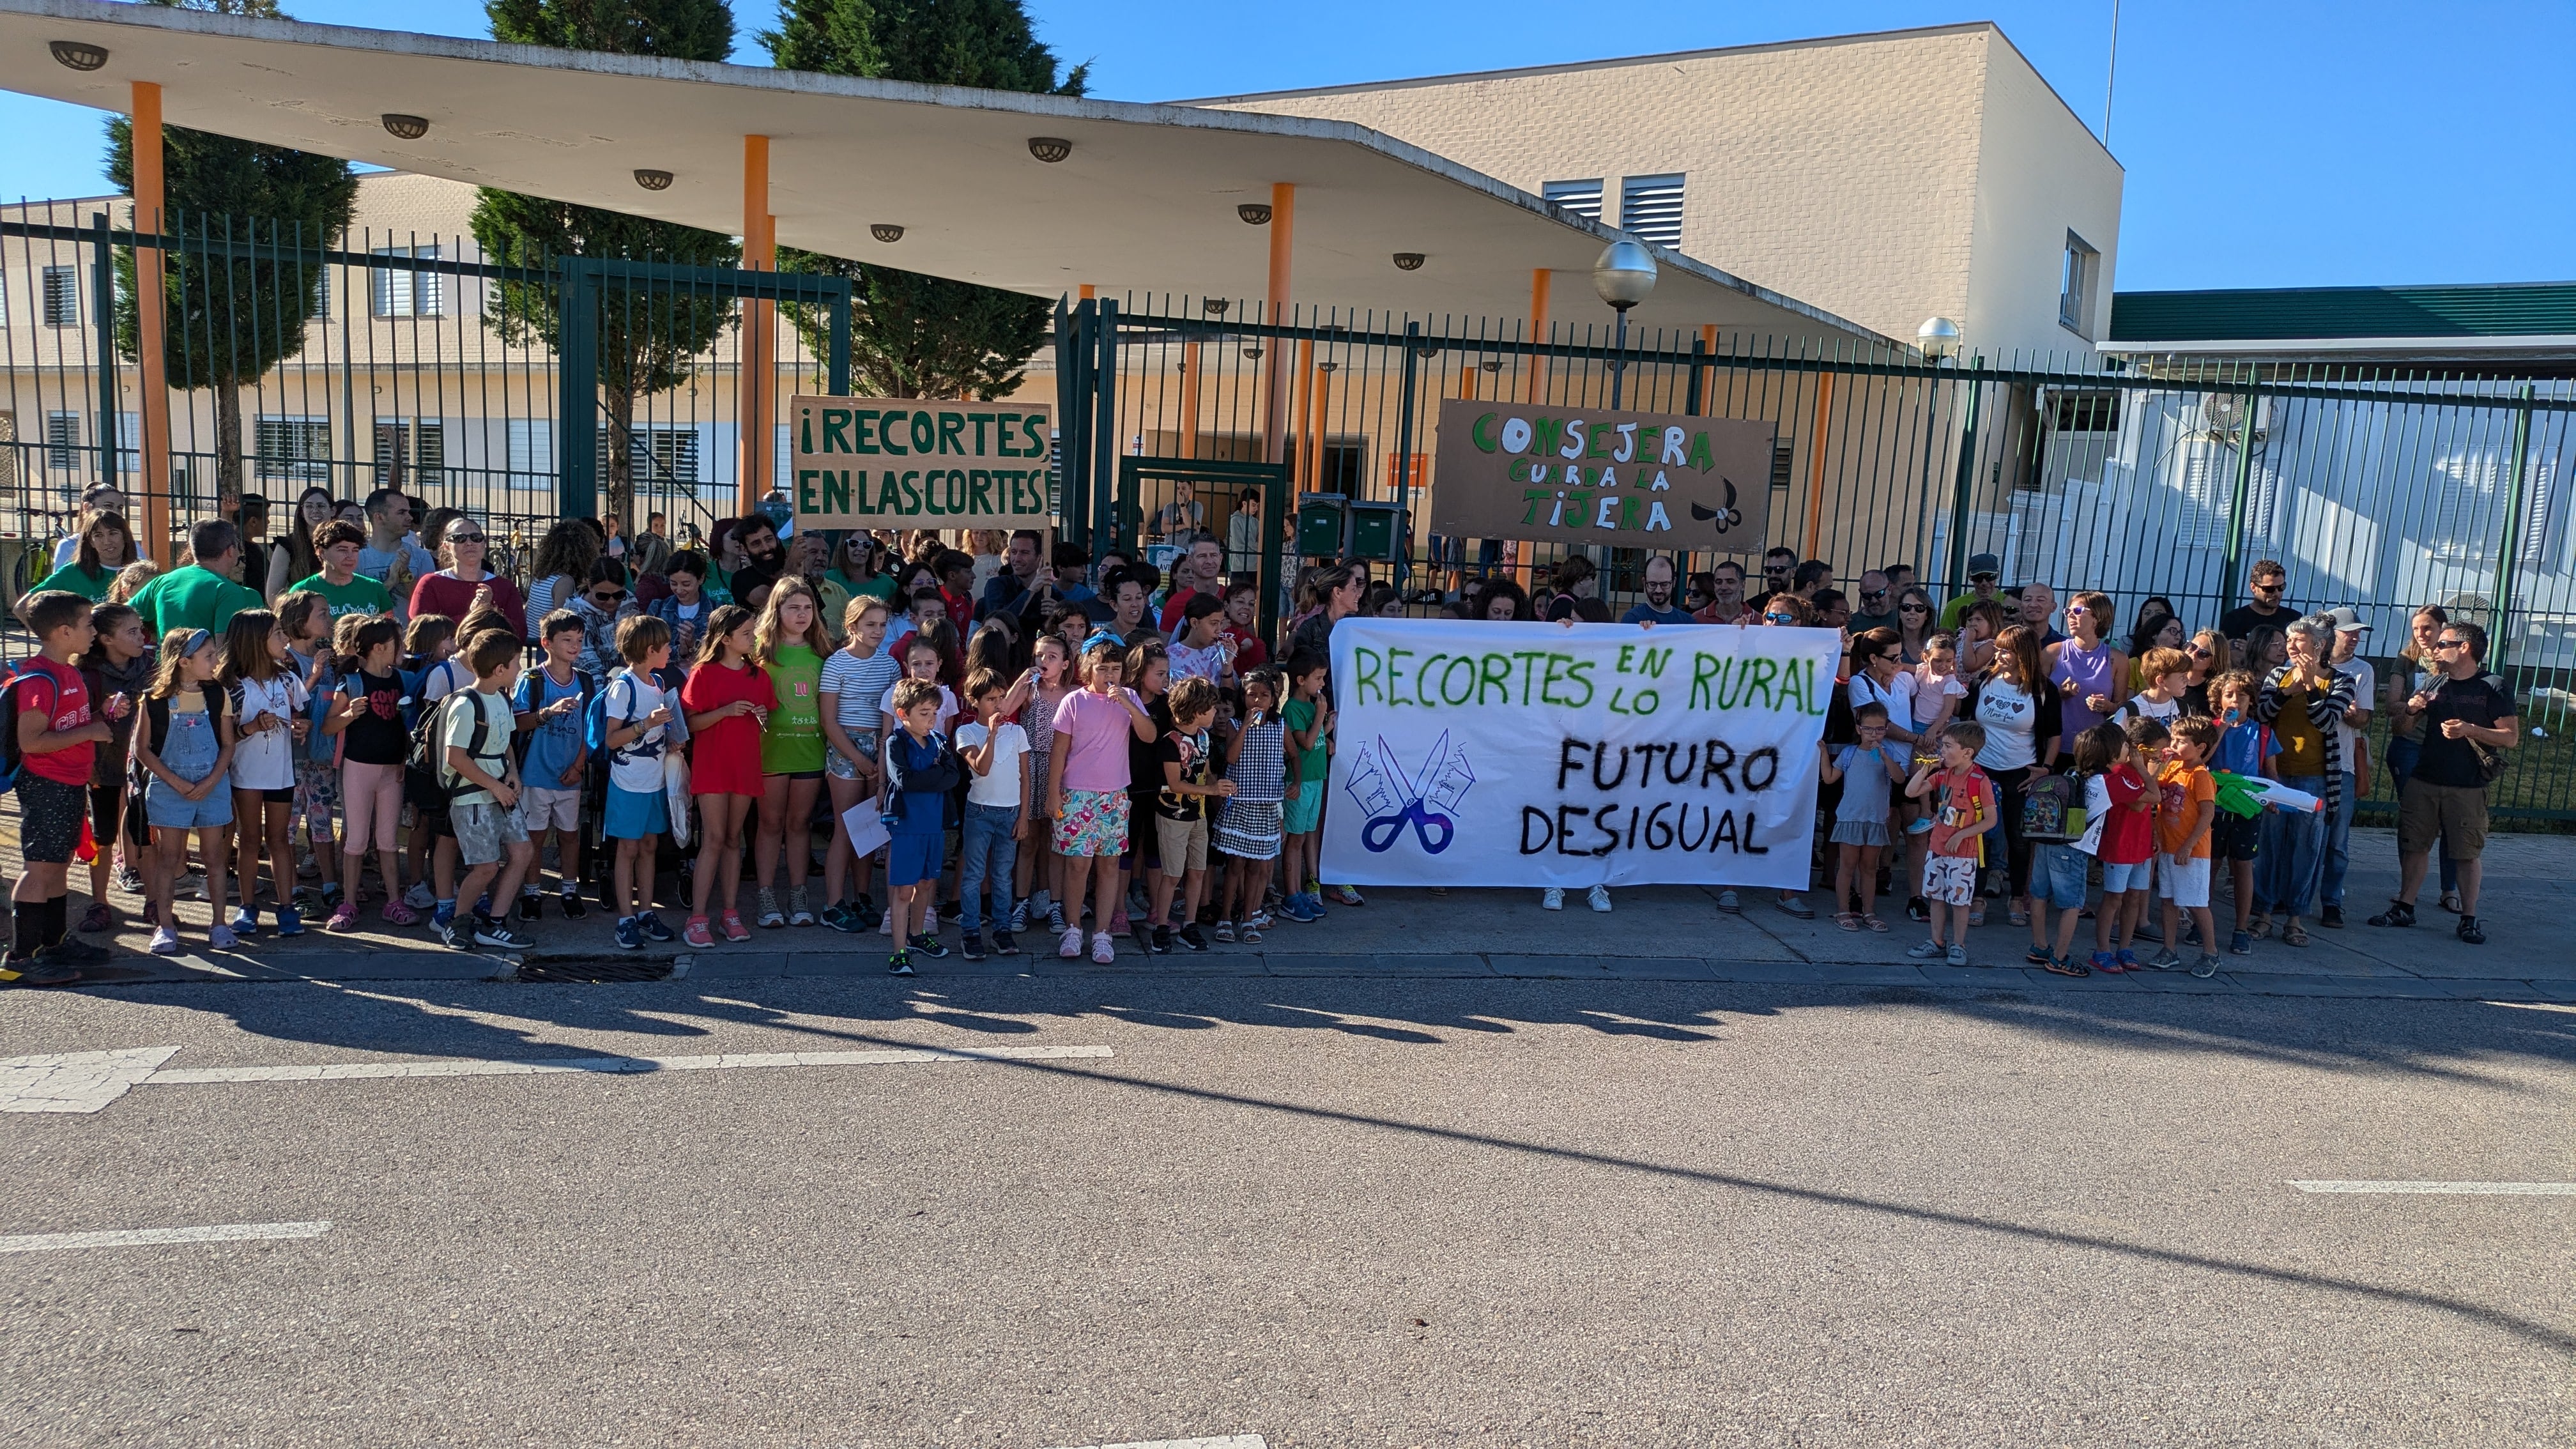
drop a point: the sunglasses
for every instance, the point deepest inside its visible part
(2199, 651)
(1873, 593)
(2450, 643)
(2270, 588)
(1910, 608)
(1780, 618)
(465, 538)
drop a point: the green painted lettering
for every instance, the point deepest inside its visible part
(836, 490)
(952, 432)
(893, 420)
(863, 424)
(836, 430)
(1494, 676)
(980, 420)
(1700, 455)
(1370, 668)
(1482, 434)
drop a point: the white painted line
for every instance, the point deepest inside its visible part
(145, 1237)
(1222, 1441)
(75, 1081)
(606, 1066)
(2469, 1189)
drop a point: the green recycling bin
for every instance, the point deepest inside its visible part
(1323, 525)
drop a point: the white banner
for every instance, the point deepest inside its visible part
(1499, 754)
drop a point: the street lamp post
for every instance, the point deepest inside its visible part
(1624, 275)
(1938, 340)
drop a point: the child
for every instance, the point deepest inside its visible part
(480, 771)
(638, 811)
(548, 710)
(1937, 692)
(996, 751)
(921, 773)
(117, 671)
(1963, 813)
(439, 673)
(1202, 651)
(1180, 810)
(2052, 817)
(1309, 717)
(685, 612)
(922, 659)
(2182, 847)
(789, 644)
(306, 618)
(1868, 770)
(1087, 776)
(2120, 833)
(268, 701)
(2244, 748)
(726, 701)
(2168, 674)
(855, 680)
(1249, 836)
(367, 720)
(184, 747)
(1149, 675)
(1049, 681)
(58, 745)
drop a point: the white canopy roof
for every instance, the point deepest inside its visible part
(1145, 204)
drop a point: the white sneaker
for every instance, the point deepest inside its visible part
(1103, 949)
(420, 897)
(1552, 899)
(1600, 898)
(1070, 946)
(1726, 901)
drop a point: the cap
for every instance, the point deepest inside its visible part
(2347, 620)
(1985, 565)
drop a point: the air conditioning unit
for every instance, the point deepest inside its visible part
(2222, 416)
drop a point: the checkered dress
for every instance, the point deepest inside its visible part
(1251, 825)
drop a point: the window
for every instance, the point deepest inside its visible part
(2075, 286)
(8, 451)
(657, 457)
(129, 439)
(1783, 464)
(2086, 412)
(406, 449)
(62, 296)
(294, 450)
(62, 441)
(404, 292)
(1650, 207)
(531, 445)
(1583, 198)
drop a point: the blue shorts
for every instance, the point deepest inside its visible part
(634, 814)
(2121, 879)
(912, 859)
(2057, 875)
(163, 807)
(1304, 810)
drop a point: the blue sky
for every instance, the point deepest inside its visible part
(2267, 144)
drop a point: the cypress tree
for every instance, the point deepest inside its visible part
(649, 337)
(913, 335)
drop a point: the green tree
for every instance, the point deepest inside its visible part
(230, 313)
(649, 336)
(913, 335)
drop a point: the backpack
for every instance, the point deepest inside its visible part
(429, 754)
(596, 723)
(2052, 809)
(11, 688)
(523, 740)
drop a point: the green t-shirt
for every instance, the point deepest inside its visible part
(192, 598)
(1953, 612)
(878, 586)
(793, 743)
(361, 595)
(1299, 715)
(71, 578)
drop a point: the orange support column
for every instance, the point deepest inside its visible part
(1283, 234)
(1189, 399)
(1816, 464)
(1535, 390)
(1305, 405)
(755, 372)
(152, 384)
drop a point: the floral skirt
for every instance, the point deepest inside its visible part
(1094, 823)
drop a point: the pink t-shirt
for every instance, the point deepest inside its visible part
(1093, 730)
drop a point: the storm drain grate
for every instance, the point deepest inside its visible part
(596, 970)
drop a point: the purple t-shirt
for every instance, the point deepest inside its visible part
(1093, 730)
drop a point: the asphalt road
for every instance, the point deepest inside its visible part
(1326, 1212)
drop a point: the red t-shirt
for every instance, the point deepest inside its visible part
(724, 758)
(1249, 651)
(2129, 835)
(69, 699)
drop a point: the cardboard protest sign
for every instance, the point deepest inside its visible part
(1576, 475)
(914, 463)
(1504, 754)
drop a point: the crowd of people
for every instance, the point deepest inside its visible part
(1024, 736)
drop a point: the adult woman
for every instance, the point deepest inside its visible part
(986, 544)
(2208, 652)
(1502, 601)
(1917, 620)
(725, 558)
(106, 546)
(1572, 580)
(562, 567)
(2301, 700)
(2020, 709)
(98, 498)
(2409, 672)
(462, 580)
(2091, 676)
(854, 568)
(291, 556)
(2155, 629)
(1340, 588)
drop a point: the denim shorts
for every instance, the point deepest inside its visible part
(2121, 879)
(2057, 874)
(163, 807)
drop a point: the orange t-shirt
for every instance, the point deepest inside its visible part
(2185, 787)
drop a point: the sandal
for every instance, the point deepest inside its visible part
(1872, 922)
(2294, 934)
(2067, 966)
(2259, 927)
(1848, 920)
(2399, 913)
(2471, 933)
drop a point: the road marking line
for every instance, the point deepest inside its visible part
(1222, 1441)
(606, 1066)
(75, 1081)
(2472, 1189)
(142, 1237)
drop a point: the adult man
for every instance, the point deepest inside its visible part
(2039, 611)
(750, 583)
(1777, 566)
(202, 595)
(1126, 594)
(650, 552)
(1985, 571)
(1183, 516)
(1833, 611)
(1658, 606)
(1877, 603)
(388, 519)
(2265, 582)
(343, 589)
(1900, 577)
(1243, 534)
(1010, 588)
(2465, 710)
(2349, 729)
(1199, 571)
(1811, 578)
(1726, 595)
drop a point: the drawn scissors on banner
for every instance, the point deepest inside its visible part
(1380, 834)
(1444, 780)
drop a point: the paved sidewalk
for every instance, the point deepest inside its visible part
(1654, 933)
